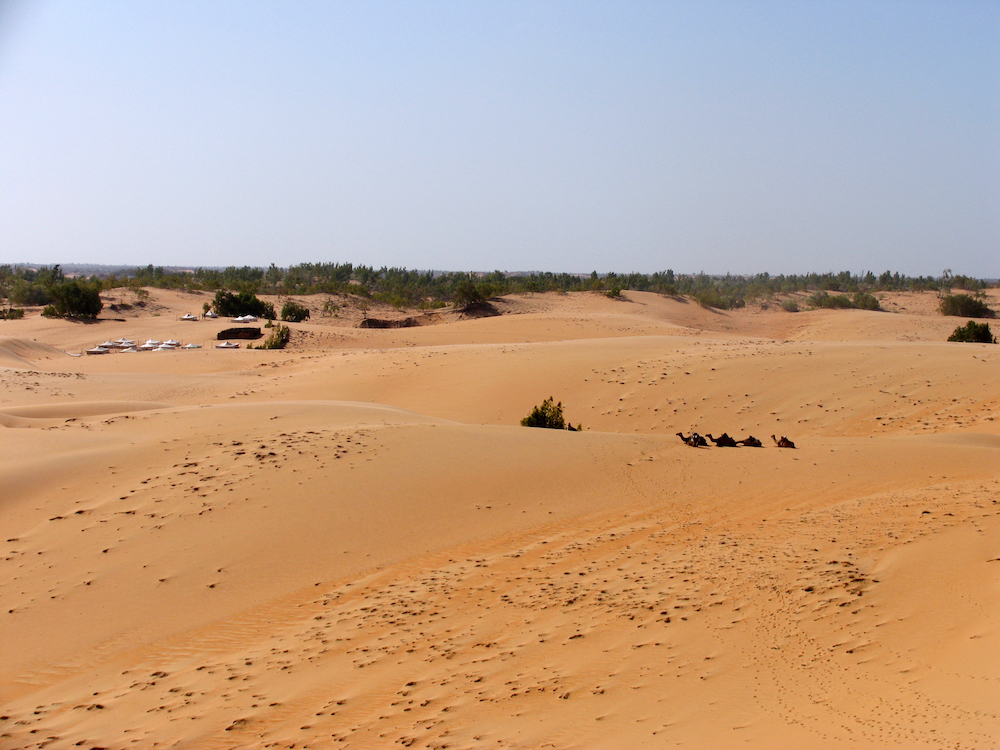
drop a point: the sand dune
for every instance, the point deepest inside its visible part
(351, 543)
(48, 413)
(20, 353)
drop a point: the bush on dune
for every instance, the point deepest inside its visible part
(859, 301)
(550, 416)
(293, 312)
(277, 339)
(965, 306)
(712, 298)
(827, 301)
(974, 333)
(864, 301)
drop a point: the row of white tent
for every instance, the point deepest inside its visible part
(210, 314)
(152, 345)
(189, 316)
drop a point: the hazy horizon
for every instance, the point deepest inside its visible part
(719, 137)
(73, 268)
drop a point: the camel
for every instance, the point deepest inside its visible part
(695, 440)
(751, 441)
(783, 443)
(723, 441)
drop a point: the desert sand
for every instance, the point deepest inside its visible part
(353, 543)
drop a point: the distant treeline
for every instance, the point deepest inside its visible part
(74, 298)
(405, 288)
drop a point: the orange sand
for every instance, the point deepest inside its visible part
(352, 543)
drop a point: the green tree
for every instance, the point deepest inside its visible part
(468, 293)
(76, 299)
(230, 305)
(28, 294)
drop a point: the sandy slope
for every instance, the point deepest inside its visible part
(351, 543)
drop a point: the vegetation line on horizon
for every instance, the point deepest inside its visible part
(401, 288)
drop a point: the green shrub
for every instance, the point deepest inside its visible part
(974, 333)
(293, 312)
(860, 301)
(712, 298)
(277, 339)
(864, 301)
(50, 311)
(11, 314)
(789, 305)
(965, 306)
(550, 416)
(830, 301)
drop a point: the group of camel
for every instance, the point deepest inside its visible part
(724, 441)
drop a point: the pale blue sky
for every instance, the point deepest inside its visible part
(567, 136)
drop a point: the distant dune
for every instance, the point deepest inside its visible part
(352, 543)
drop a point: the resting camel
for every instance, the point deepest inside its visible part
(695, 440)
(783, 443)
(751, 441)
(723, 441)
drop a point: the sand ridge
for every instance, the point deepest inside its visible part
(352, 543)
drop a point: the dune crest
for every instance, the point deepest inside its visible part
(77, 410)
